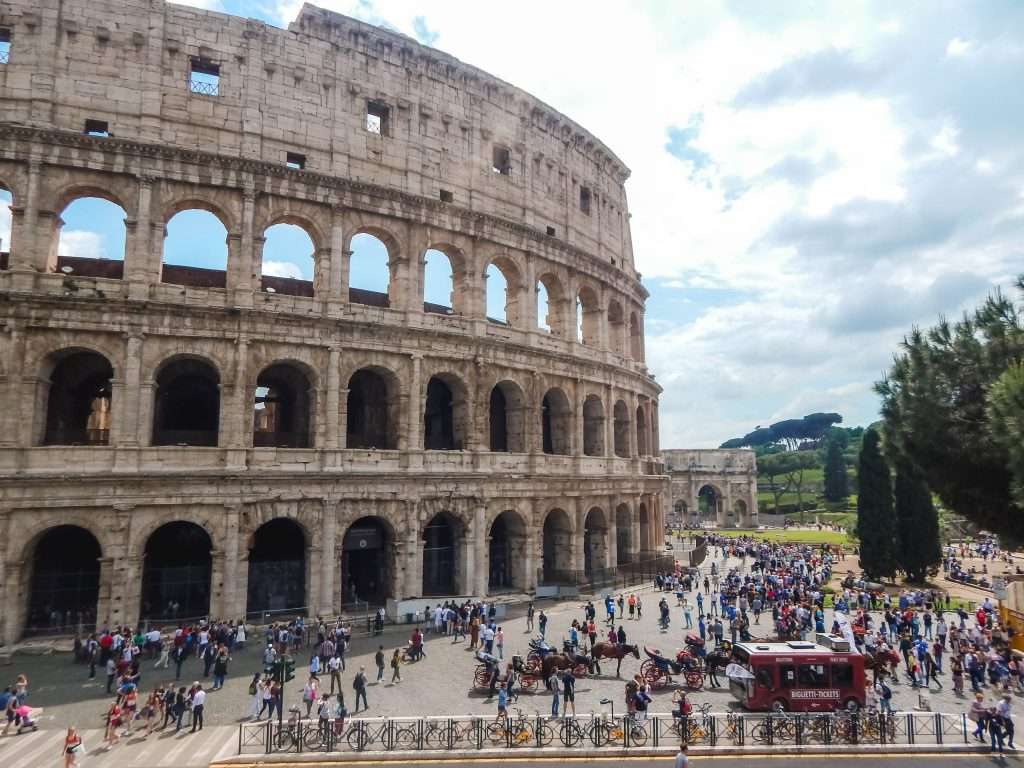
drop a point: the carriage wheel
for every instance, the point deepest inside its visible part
(481, 679)
(695, 679)
(652, 674)
(533, 659)
(580, 670)
(528, 683)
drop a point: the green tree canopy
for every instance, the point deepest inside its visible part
(835, 473)
(1006, 415)
(789, 432)
(876, 524)
(937, 414)
(917, 523)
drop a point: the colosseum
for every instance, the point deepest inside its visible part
(180, 441)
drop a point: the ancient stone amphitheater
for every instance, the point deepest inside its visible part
(180, 441)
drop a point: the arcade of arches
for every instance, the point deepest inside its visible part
(316, 557)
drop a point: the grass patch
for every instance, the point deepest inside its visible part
(791, 536)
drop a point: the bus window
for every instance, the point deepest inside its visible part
(764, 678)
(787, 676)
(812, 676)
(842, 676)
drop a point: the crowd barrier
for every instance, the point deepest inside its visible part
(521, 731)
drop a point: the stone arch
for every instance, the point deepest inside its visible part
(277, 567)
(186, 402)
(551, 312)
(442, 537)
(177, 572)
(373, 412)
(621, 416)
(365, 272)
(62, 578)
(588, 316)
(445, 413)
(432, 271)
(74, 395)
(740, 513)
(595, 542)
(507, 417)
(368, 560)
(86, 256)
(507, 544)
(192, 202)
(283, 406)
(623, 534)
(510, 303)
(616, 328)
(593, 426)
(556, 546)
(306, 220)
(213, 272)
(556, 423)
(710, 501)
(290, 274)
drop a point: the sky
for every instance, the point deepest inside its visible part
(809, 179)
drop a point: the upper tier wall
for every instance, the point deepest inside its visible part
(306, 90)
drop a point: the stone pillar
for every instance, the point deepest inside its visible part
(142, 261)
(480, 571)
(337, 274)
(236, 412)
(14, 602)
(636, 547)
(6, 609)
(334, 435)
(578, 520)
(413, 410)
(413, 554)
(609, 423)
(613, 533)
(120, 605)
(233, 605)
(124, 429)
(243, 261)
(328, 556)
(27, 254)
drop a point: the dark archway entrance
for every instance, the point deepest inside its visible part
(556, 547)
(440, 539)
(438, 417)
(64, 581)
(556, 423)
(277, 568)
(187, 409)
(499, 420)
(623, 529)
(366, 562)
(176, 573)
(281, 409)
(506, 549)
(708, 501)
(372, 411)
(595, 542)
(78, 404)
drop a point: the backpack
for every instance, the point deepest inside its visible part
(886, 692)
(252, 688)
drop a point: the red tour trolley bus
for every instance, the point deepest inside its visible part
(798, 676)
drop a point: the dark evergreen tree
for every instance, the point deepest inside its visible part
(835, 473)
(876, 524)
(917, 523)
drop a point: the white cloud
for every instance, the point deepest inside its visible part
(282, 269)
(958, 47)
(79, 243)
(945, 141)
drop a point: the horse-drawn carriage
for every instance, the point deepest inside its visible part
(657, 671)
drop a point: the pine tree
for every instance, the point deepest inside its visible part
(876, 523)
(835, 473)
(917, 523)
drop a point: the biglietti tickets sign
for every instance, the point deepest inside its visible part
(829, 694)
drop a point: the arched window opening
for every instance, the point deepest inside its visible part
(288, 263)
(372, 417)
(277, 568)
(444, 427)
(64, 582)
(507, 426)
(369, 280)
(507, 553)
(588, 317)
(593, 426)
(636, 332)
(616, 328)
(367, 562)
(176, 573)
(740, 510)
(621, 414)
(5, 227)
(623, 533)
(595, 543)
(556, 423)
(551, 305)
(642, 448)
(90, 238)
(79, 400)
(543, 308)
(187, 407)
(281, 409)
(499, 297)
(556, 547)
(438, 283)
(195, 250)
(440, 538)
(708, 502)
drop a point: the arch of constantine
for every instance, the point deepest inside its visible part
(711, 486)
(182, 440)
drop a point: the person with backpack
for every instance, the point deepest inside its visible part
(554, 688)
(256, 694)
(378, 659)
(359, 686)
(884, 696)
(309, 694)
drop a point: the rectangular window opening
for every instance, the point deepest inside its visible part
(377, 114)
(204, 78)
(5, 45)
(96, 128)
(295, 161)
(551, 231)
(446, 196)
(502, 161)
(585, 200)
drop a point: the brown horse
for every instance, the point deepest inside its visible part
(617, 651)
(558, 661)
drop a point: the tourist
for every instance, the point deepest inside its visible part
(499, 640)
(529, 617)
(220, 668)
(396, 665)
(255, 696)
(568, 693)
(554, 688)
(198, 705)
(309, 693)
(378, 659)
(1006, 718)
(978, 714)
(359, 686)
(72, 746)
(112, 736)
(334, 668)
(682, 761)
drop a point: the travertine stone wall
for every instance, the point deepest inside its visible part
(305, 90)
(730, 474)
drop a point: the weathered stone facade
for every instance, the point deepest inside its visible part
(95, 366)
(711, 485)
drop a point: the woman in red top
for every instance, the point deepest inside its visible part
(72, 745)
(113, 724)
(131, 703)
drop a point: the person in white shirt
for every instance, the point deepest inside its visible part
(198, 702)
(682, 761)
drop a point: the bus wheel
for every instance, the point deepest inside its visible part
(779, 705)
(852, 706)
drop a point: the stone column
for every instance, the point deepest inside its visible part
(480, 571)
(613, 533)
(413, 554)
(142, 261)
(609, 423)
(6, 609)
(328, 556)
(243, 274)
(414, 415)
(578, 520)
(636, 547)
(14, 602)
(336, 290)
(27, 254)
(124, 431)
(334, 435)
(120, 605)
(233, 605)
(234, 428)
(528, 298)
(217, 605)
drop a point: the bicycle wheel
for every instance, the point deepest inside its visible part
(600, 733)
(522, 735)
(314, 739)
(405, 738)
(357, 737)
(545, 734)
(638, 736)
(495, 733)
(436, 736)
(284, 739)
(570, 733)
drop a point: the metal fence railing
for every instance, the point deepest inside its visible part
(521, 731)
